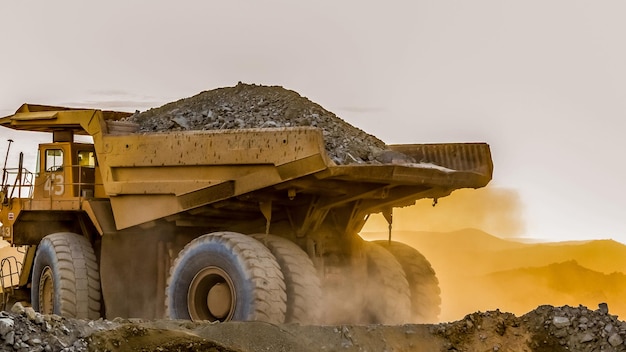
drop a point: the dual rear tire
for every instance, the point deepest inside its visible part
(425, 301)
(230, 276)
(387, 294)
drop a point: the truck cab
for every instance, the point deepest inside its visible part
(65, 170)
(54, 195)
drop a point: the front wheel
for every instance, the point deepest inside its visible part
(226, 276)
(66, 279)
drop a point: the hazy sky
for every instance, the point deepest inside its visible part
(543, 82)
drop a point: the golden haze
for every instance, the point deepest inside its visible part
(480, 272)
(485, 269)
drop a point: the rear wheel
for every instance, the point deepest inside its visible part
(226, 276)
(425, 291)
(301, 280)
(66, 280)
(387, 294)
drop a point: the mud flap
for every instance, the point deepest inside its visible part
(129, 273)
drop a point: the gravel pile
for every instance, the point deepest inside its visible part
(577, 329)
(22, 329)
(257, 106)
(546, 328)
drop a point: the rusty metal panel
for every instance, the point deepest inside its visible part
(465, 157)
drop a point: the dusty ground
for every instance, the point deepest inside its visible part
(546, 328)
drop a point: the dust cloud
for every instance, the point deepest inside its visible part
(481, 272)
(495, 210)
(373, 293)
(468, 237)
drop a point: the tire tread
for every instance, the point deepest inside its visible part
(75, 262)
(425, 291)
(259, 267)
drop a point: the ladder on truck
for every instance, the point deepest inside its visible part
(10, 269)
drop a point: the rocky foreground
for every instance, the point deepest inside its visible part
(546, 328)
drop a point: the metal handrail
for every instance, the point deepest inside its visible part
(12, 262)
(18, 179)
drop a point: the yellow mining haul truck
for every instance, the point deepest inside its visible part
(255, 224)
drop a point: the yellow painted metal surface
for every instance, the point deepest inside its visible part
(170, 172)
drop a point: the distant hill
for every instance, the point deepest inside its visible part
(566, 283)
(606, 256)
(479, 272)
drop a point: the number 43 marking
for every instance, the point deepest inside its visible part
(54, 185)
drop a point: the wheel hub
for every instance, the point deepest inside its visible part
(211, 295)
(219, 300)
(46, 291)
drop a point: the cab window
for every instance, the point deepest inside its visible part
(54, 160)
(86, 158)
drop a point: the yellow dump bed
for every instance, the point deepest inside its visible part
(150, 176)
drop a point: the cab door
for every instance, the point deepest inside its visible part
(84, 161)
(55, 170)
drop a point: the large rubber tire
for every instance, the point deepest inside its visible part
(387, 294)
(304, 294)
(66, 279)
(425, 291)
(226, 276)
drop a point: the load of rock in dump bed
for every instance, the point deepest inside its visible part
(257, 106)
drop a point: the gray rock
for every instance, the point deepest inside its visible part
(561, 322)
(393, 157)
(17, 308)
(34, 341)
(182, 122)
(604, 308)
(587, 337)
(30, 313)
(615, 340)
(6, 325)
(9, 338)
(561, 333)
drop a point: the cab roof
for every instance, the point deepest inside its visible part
(47, 118)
